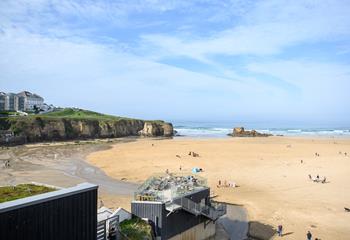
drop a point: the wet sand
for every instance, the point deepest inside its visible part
(62, 164)
(273, 182)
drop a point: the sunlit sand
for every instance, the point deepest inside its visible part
(273, 182)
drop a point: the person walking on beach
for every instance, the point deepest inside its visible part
(7, 163)
(309, 235)
(279, 230)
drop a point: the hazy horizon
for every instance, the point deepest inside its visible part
(240, 61)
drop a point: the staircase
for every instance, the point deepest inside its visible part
(213, 212)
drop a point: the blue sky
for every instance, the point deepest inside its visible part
(182, 60)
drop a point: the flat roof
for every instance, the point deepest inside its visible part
(44, 197)
(166, 187)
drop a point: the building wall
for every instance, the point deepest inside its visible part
(180, 221)
(123, 214)
(201, 231)
(169, 225)
(13, 102)
(33, 101)
(10, 102)
(154, 211)
(21, 103)
(7, 103)
(2, 102)
(70, 216)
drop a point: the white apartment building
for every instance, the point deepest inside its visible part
(27, 101)
(23, 101)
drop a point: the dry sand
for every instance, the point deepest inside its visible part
(273, 183)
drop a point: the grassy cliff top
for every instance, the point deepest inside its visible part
(79, 114)
(9, 193)
(75, 113)
(67, 113)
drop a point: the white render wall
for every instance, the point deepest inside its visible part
(122, 213)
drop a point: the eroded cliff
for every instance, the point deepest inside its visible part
(42, 128)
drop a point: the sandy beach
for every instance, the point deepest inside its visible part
(272, 175)
(62, 164)
(273, 183)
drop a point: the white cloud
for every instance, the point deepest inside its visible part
(324, 86)
(38, 14)
(267, 29)
(44, 52)
(125, 84)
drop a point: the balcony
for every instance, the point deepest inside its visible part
(212, 211)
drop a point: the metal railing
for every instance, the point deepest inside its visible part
(101, 230)
(213, 211)
(113, 225)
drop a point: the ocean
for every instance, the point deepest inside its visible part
(221, 129)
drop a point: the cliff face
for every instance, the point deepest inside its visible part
(38, 129)
(151, 129)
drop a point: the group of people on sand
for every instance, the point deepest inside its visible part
(226, 184)
(280, 233)
(7, 164)
(318, 179)
(345, 153)
(193, 154)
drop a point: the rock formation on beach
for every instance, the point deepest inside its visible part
(151, 129)
(87, 125)
(240, 132)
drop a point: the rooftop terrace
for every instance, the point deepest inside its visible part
(166, 187)
(9, 193)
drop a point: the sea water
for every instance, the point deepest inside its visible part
(221, 129)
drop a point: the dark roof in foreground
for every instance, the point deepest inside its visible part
(28, 201)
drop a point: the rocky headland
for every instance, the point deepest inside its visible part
(241, 132)
(76, 124)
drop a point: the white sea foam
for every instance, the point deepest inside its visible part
(193, 131)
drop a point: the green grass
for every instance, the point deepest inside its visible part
(9, 193)
(136, 229)
(8, 113)
(72, 113)
(64, 113)
(79, 113)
